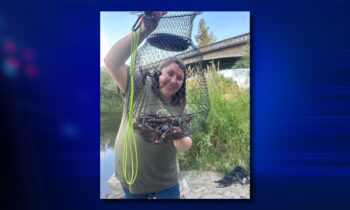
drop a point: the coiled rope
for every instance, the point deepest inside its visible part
(130, 146)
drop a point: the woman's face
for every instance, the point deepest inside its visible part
(170, 80)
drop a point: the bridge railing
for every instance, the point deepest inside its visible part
(237, 40)
(218, 45)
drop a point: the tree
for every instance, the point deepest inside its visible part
(244, 62)
(203, 37)
(110, 99)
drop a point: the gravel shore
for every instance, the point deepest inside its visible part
(194, 185)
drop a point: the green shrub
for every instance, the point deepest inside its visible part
(225, 140)
(110, 100)
(244, 62)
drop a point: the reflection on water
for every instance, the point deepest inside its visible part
(109, 129)
(107, 168)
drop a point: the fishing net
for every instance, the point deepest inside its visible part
(157, 121)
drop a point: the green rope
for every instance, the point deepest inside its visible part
(130, 139)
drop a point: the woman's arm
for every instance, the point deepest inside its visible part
(121, 50)
(116, 58)
(183, 144)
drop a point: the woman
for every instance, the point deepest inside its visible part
(158, 167)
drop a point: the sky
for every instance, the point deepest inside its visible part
(116, 25)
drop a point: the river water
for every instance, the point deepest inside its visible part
(107, 168)
(109, 128)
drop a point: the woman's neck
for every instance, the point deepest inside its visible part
(165, 99)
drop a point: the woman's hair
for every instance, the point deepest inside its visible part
(179, 98)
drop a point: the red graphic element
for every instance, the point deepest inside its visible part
(9, 46)
(18, 60)
(11, 67)
(31, 71)
(13, 63)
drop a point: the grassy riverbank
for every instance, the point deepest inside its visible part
(225, 140)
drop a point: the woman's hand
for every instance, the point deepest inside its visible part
(183, 144)
(151, 22)
(121, 50)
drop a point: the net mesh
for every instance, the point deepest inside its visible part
(170, 43)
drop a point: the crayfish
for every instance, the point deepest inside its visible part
(161, 130)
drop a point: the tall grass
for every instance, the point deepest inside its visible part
(225, 140)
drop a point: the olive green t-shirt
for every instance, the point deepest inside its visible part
(157, 164)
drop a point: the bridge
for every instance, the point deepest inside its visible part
(223, 53)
